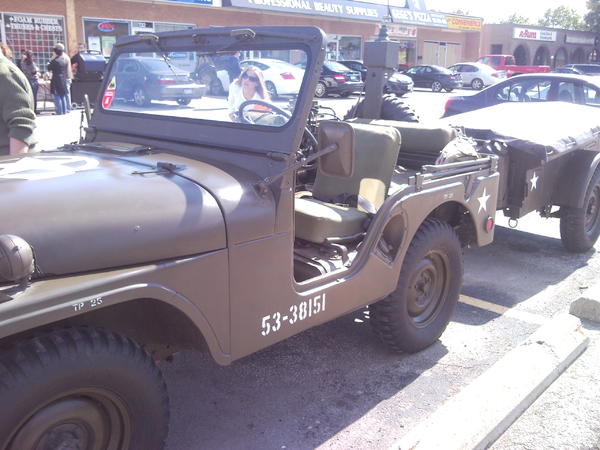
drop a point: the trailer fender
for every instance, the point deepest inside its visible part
(572, 192)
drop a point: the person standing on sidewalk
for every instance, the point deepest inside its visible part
(30, 69)
(16, 104)
(69, 75)
(58, 84)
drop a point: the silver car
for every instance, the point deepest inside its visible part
(478, 75)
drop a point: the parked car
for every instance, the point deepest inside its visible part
(397, 83)
(566, 69)
(434, 77)
(584, 69)
(477, 75)
(359, 66)
(336, 78)
(142, 80)
(281, 77)
(508, 64)
(580, 89)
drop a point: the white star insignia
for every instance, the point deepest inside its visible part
(42, 167)
(483, 201)
(534, 180)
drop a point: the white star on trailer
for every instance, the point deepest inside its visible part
(534, 180)
(483, 201)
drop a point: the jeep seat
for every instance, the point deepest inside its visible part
(421, 144)
(319, 217)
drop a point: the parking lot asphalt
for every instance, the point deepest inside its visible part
(336, 387)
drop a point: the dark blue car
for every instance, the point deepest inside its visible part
(545, 87)
(434, 77)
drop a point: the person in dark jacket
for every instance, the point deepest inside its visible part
(30, 69)
(17, 120)
(58, 84)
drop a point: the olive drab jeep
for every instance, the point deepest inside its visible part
(220, 226)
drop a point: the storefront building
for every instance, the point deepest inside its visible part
(426, 37)
(541, 46)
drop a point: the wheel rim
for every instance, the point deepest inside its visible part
(592, 213)
(428, 288)
(436, 86)
(477, 84)
(82, 420)
(320, 90)
(139, 97)
(271, 89)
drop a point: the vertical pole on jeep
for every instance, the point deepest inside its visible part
(381, 59)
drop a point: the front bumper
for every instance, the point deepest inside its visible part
(399, 88)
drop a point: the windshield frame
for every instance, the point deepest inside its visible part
(259, 138)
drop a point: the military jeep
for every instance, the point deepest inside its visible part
(199, 226)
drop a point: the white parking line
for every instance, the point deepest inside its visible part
(503, 310)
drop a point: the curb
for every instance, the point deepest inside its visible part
(588, 305)
(476, 416)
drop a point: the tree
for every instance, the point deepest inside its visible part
(592, 18)
(562, 17)
(516, 19)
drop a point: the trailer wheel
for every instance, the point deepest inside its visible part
(392, 108)
(81, 388)
(416, 314)
(580, 227)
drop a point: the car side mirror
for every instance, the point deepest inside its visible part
(339, 162)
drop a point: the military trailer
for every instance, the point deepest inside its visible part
(549, 156)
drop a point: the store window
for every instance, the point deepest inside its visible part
(37, 33)
(344, 47)
(102, 34)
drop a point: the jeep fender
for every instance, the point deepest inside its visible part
(571, 191)
(47, 302)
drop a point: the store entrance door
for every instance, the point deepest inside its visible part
(441, 53)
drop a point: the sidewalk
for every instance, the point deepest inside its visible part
(567, 414)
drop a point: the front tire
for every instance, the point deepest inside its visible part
(416, 314)
(436, 86)
(580, 227)
(81, 388)
(272, 90)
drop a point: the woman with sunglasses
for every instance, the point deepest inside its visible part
(250, 85)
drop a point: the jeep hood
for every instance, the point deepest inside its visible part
(83, 212)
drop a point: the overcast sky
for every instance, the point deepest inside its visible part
(497, 10)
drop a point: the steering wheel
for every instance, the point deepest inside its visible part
(263, 109)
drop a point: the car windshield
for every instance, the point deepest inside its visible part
(253, 86)
(336, 66)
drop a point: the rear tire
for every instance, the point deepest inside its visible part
(272, 90)
(580, 227)
(140, 97)
(392, 108)
(320, 90)
(436, 86)
(416, 314)
(477, 84)
(81, 388)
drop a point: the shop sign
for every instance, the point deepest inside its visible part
(426, 18)
(337, 8)
(106, 27)
(534, 35)
(193, 2)
(465, 23)
(401, 31)
(22, 22)
(583, 40)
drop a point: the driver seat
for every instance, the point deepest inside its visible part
(340, 207)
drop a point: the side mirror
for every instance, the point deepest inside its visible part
(340, 162)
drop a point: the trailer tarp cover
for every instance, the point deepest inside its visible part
(544, 129)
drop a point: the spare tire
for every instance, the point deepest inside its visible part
(392, 108)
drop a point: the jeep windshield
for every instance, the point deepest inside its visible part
(251, 85)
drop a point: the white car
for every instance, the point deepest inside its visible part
(478, 75)
(281, 78)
